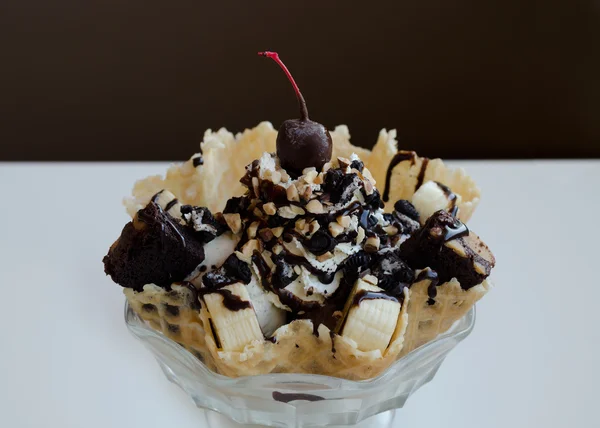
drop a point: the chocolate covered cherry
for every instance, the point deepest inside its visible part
(301, 143)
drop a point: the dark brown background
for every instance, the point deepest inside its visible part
(140, 80)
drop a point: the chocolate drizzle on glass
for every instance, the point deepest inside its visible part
(284, 397)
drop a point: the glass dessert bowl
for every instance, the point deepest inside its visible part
(298, 400)
(276, 285)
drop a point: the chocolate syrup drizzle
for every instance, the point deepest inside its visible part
(371, 295)
(284, 397)
(421, 176)
(432, 276)
(318, 313)
(167, 217)
(285, 296)
(171, 204)
(197, 161)
(399, 157)
(230, 300)
(456, 232)
(451, 197)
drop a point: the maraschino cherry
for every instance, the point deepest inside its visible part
(301, 143)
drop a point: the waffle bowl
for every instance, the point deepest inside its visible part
(215, 179)
(298, 400)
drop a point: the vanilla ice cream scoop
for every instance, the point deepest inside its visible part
(433, 196)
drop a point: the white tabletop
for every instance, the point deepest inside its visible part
(67, 360)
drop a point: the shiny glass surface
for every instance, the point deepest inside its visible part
(314, 400)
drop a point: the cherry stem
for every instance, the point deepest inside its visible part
(275, 57)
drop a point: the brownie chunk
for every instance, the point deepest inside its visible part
(446, 245)
(154, 248)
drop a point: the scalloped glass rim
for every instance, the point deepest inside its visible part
(389, 390)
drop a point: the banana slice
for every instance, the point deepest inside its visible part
(169, 203)
(371, 316)
(232, 317)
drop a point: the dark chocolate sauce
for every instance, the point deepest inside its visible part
(295, 304)
(324, 277)
(371, 295)
(263, 269)
(421, 175)
(460, 230)
(286, 297)
(287, 397)
(354, 206)
(350, 236)
(195, 304)
(366, 220)
(320, 243)
(332, 336)
(432, 276)
(230, 300)
(197, 161)
(214, 333)
(171, 204)
(167, 217)
(451, 197)
(399, 157)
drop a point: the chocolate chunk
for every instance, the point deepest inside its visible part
(405, 207)
(405, 224)
(273, 192)
(389, 218)
(319, 243)
(203, 222)
(197, 161)
(373, 200)
(217, 279)
(391, 271)
(358, 165)
(446, 245)
(236, 205)
(367, 220)
(237, 269)
(356, 264)
(284, 273)
(340, 186)
(153, 249)
(233, 270)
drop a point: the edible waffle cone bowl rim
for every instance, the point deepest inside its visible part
(225, 155)
(141, 329)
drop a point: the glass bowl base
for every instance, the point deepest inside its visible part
(382, 420)
(299, 400)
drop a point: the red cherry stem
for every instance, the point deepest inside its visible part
(275, 57)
